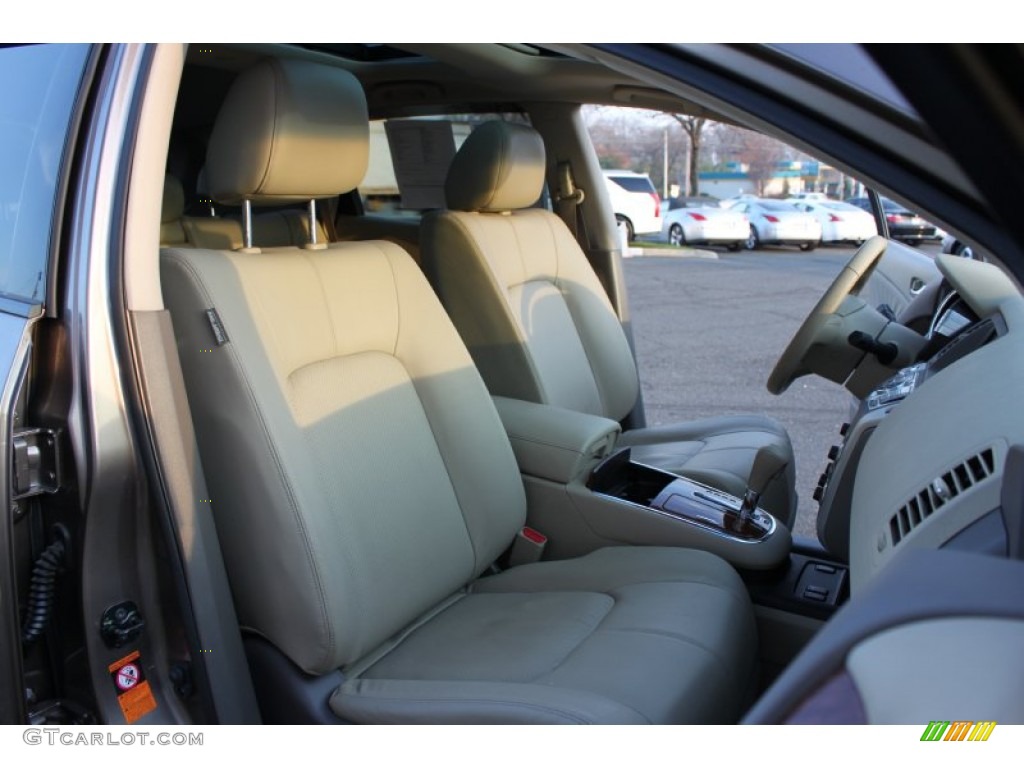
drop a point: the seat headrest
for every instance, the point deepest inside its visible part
(174, 200)
(288, 130)
(500, 167)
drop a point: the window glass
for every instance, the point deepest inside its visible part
(634, 183)
(38, 85)
(409, 160)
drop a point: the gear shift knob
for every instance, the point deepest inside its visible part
(768, 463)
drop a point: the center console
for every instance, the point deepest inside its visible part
(687, 501)
(583, 494)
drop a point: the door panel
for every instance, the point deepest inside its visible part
(901, 274)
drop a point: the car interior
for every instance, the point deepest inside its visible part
(400, 460)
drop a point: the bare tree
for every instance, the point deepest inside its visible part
(693, 127)
(643, 141)
(636, 140)
(761, 155)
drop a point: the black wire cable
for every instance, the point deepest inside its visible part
(42, 589)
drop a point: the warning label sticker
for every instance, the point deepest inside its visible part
(133, 691)
(127, 677)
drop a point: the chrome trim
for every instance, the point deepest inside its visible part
(944, 306)
(312, 221)
(112, 489)
(713, 529)
(247, 223)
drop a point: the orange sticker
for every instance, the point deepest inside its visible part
(133, 691)
(137, 703)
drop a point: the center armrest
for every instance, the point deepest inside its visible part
(554, 443)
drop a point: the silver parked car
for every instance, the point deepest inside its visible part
(702, 221)
(776, 222)
(840, 222)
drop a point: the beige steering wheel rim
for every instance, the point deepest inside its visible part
(849, 281)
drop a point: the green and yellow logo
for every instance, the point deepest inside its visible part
(958, 730)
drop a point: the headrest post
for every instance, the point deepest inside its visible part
(247, 223)
(312, 221)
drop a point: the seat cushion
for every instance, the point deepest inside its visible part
(623, 635)
(719, 452)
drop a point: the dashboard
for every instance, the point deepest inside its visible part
(920, 463)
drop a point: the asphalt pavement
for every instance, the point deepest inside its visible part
(709, 331)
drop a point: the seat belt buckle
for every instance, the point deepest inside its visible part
(527, 547)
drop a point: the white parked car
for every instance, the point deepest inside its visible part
(635, 201)
(729, 202)
(776, 222)
(840, 222)
(807, 197)
(703, 221)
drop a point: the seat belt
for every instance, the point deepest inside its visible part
(568, 204)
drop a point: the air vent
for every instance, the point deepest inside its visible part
(939, 492)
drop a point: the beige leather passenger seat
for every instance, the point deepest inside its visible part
(403, 232)
(362, 482)
(540, 326)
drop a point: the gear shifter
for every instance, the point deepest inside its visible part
(768, 463)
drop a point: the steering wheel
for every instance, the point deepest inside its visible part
(792, 363)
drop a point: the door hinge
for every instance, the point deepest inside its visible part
(37, 464)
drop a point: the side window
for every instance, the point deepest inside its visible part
(38, 87)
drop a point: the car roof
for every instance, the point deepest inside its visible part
(423, 78)
(845, 116)
(775, 205)
(836, 205)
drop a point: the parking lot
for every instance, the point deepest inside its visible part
(708, 332)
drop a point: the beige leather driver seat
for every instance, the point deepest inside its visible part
(275, 227)
(540, 327)
(362, 482)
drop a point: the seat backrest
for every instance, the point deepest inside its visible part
(285, 226)
(359, 472)
(403, 232)
(517, 285)
(276, 227)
